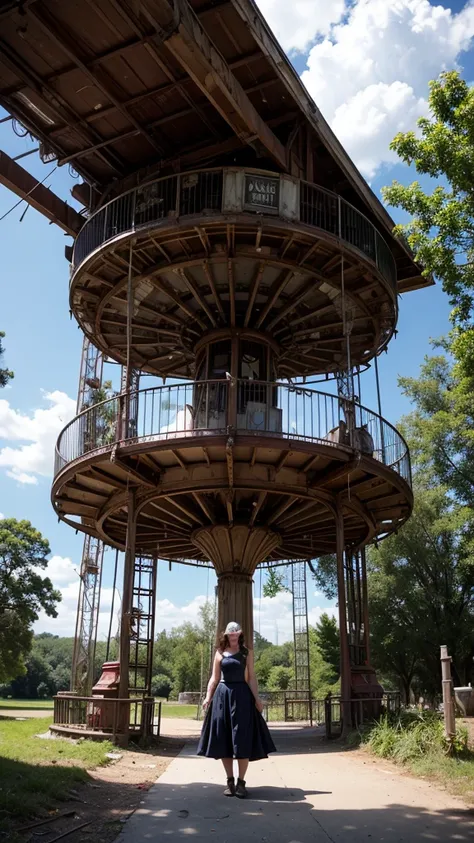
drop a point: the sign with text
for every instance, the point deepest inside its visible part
(262, 192)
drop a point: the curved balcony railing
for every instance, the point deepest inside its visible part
(206, 408)
(207, 192)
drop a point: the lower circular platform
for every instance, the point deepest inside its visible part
(190, 482)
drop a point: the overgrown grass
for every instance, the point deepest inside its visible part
(178, 710)
(416, 740)
(35, 773)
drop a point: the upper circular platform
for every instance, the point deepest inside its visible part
(234, 249)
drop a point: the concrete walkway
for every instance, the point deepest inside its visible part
(309, 792)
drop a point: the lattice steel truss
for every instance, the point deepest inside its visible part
(82, 675)
(87, 615)
(90, 375)
(301, 641)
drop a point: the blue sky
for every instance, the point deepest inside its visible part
(367, 64)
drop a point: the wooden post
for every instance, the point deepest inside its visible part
(344, 645)
(126, 612)
(448, 698)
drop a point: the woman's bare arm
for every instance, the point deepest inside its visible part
(252, 680)
(214, 680)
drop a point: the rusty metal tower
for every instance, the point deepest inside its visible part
(90, 574)
(230, 247)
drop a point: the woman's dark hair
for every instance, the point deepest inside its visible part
(224, 643)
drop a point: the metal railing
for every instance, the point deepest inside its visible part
(202, 192)
(107, 716)
(294, 706)
(204, 408)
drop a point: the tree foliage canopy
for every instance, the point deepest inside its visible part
(327, 638)
(440, 429)
(23, 592)
(421, 594)
(441, 229)
(5, 374)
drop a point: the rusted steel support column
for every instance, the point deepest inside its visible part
(235, 603)
(126, 612)
(235, 552)
(365, 605)
(344, 646)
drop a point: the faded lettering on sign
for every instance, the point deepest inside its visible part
(262, 192)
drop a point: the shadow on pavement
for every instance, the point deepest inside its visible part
(199, 811)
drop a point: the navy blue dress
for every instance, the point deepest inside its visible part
(233, 728)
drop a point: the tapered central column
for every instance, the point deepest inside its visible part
(235, 602)
(235, 552)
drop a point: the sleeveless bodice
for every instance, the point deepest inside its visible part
(233, 668)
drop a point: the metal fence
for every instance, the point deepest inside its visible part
(107, 717)
(204, 408)
(202, 192)
(297, 706)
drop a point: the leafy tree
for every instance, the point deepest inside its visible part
(161, 686)
(280, 678)
(327, 639)
(421, 593)
(38, 672)
(441, 231)
(260, 643)
(43, 691)
(321, 673)
(5, 374)
(441, 427)
(274, 584)
(324, 572)
(270, 657)
(23, 592)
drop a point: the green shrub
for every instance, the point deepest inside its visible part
(161, 686)
(411, 735)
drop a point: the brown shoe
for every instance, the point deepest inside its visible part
(230, 789)
(241, 790)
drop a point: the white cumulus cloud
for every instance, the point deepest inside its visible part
(37, 432)
(370, 66)
(273, 616)
(298, 24)
(64, 575)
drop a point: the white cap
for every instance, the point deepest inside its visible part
(233, 626)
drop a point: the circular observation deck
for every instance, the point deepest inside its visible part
(242, 250)
(238, 462)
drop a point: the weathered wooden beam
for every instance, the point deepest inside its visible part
(26, 186)
(133, 467)
(205, 507)
(257, 505)
(181, 31)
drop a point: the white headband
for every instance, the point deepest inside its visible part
(233, 626)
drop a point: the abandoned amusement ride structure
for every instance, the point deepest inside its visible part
(228, 246)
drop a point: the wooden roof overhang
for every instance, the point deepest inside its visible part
(122, 89)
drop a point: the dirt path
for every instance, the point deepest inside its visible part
(25, 713)
(110, 796)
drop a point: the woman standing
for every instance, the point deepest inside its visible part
(234, 726)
